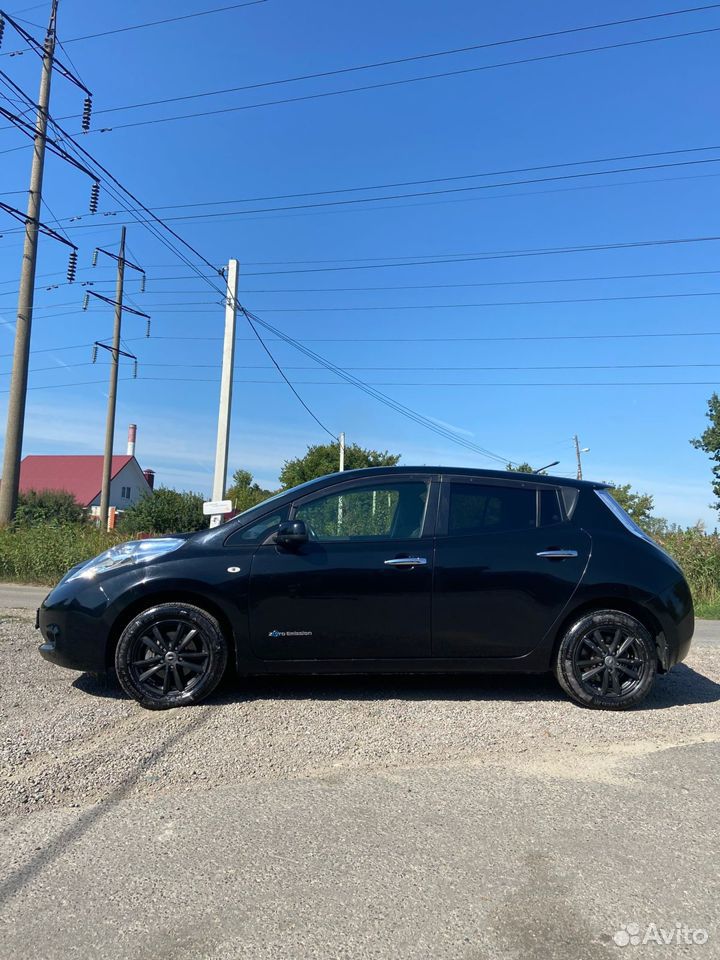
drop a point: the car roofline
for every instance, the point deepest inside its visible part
(466, 472)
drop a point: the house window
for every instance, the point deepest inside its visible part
(125, 493)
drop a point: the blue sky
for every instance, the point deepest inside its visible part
(639, 99)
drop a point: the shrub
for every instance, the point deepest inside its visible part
(699, 556)
(41, 507)
(35, 554)
(164, 511)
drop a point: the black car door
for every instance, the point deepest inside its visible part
(361, 587)
(507, 561)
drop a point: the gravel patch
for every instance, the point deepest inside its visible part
(72, 740)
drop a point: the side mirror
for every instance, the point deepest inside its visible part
(291, 533)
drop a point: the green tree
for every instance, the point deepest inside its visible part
(42, 507)
(638, 505)
(165, 511)
(324, 458)
(521, 468)
(244, 492)
(709, 442)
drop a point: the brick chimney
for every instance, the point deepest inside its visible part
(132, 434)
(150, 477)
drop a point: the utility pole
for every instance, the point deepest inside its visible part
(226, 383)
(112, 390)
(21, 355)
(578, 451)
(341, 438)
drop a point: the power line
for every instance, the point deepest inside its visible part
(166, 307)
(396, 61)
(371, 385)
(383, 398)
(180, 255)
(396, 83)
(443, 340)
(79, 383)
(495, 255)
(392, 204)
(416, 286)
(445, 286)
(280, 370)
(465, 176)
(156, 23)
(433, 368)
(58, 367)
(172, 307)
(187, 217)
(115, 183)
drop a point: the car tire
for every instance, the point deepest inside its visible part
(607, 660)
(171, 655)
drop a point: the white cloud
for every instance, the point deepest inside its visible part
(451, 426)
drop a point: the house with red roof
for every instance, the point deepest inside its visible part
(82, 477)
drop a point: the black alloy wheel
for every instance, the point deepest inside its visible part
(171, 655)
(607, 660)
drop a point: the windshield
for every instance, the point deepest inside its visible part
(240, 518)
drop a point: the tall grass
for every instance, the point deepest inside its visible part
(699, 556)
(43, 554)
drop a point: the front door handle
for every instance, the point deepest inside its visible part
(406, 562)
(557, 554)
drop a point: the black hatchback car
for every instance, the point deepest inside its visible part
(386, 570)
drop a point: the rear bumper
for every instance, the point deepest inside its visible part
(673, 609)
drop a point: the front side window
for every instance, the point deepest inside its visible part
(477, 508)
(259, 531)
(390, 511)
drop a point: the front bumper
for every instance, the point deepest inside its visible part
(74, 629)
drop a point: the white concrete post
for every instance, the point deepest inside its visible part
(226, 384)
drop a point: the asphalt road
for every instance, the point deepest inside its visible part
(380, 818)
(21, 596)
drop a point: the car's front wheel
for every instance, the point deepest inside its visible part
(171, 655)
(607, 660)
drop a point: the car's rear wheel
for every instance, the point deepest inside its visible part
(171, 655)
(607, 660)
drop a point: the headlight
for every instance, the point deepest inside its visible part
(125, 554)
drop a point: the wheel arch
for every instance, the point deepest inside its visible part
(610, 602)
(169, 595)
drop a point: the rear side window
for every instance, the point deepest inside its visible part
(550, 512)
(480, 508)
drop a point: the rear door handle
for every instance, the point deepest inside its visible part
(406, 562)
(557, 554)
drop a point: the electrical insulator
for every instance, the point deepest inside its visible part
(94, 196)
(87, 110)
(147, 328)
(86, 301)
(94, 257)
(94, 353)
(2, 29)
(72, 266)
(142, 283)
(135, 369)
